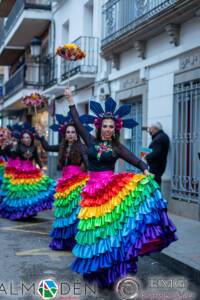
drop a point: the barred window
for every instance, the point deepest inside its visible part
(186, 141)
(133, 137)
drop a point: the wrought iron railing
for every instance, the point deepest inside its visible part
(1, 35)
(15, 82)
(122, 16)
(49, 71)
(28, 74)
(88, 65)
(38, 4)
(1, 91)
(18, 8)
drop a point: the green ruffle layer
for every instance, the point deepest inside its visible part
(90, 229)
(29, 190)
(62, 212)
(63, 202)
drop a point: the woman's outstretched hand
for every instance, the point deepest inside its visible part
(38, 131)
(69, 97)
(147, 173)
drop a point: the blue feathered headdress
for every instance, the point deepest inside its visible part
(110, 111)
(17, 130)
(62, 123)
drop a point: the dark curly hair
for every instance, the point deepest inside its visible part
(115, 139)
(75, 155)
(29, 133)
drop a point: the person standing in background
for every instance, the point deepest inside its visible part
(157, 159)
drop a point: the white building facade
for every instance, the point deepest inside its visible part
(146, 53)
(154, 51)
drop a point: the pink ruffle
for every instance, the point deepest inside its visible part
(68, 171)
(13, 163)
(97, 181)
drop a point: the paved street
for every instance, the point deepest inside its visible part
(26, 259)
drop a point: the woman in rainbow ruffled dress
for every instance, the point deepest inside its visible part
(10, 148)
(73, 162)
(123, 215)
(27, 191)
(4, 137)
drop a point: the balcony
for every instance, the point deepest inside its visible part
(27, 76)
(126, 21)
(82, 72)
(1, 91)
(28, 18)
(49, 71)
(32, 75)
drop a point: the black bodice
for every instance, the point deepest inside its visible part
(28, 153)
(101, 161)
(107, 159)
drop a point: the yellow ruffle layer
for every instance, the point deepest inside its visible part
(66, 193)
(25, 180)
(98, 211)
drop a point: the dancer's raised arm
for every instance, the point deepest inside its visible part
(46, 146)
(37, 158)
(75, 116)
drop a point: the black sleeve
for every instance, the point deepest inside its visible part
(5, 151)
(11, 151)
(47, 147)
(131, 158)
(18, 152)
(84, 155)
(36, 157)
(81, 129)
(2, 151)
(156, 152)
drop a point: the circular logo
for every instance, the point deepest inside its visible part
(47, 289)
(127, 288)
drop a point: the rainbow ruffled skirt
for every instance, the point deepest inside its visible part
(27, 192)
(67, 207)
(9, 172)
(2, 168)
(123, 216)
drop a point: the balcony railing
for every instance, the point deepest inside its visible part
(122, 16)
(1, 91)
(88, 65)
(49, 71)
(17, 10)
(28, 75)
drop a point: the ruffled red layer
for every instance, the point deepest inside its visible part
(98, 195)
(63, 183)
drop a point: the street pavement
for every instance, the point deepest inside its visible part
(25, 260)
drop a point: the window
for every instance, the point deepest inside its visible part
(65, 32)
(186, 141)
(133, 137)
(88, 18)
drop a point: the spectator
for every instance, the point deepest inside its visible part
(157, 159)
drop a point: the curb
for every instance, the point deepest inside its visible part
(178, 266)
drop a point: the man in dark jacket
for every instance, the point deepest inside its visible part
(157, 159)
